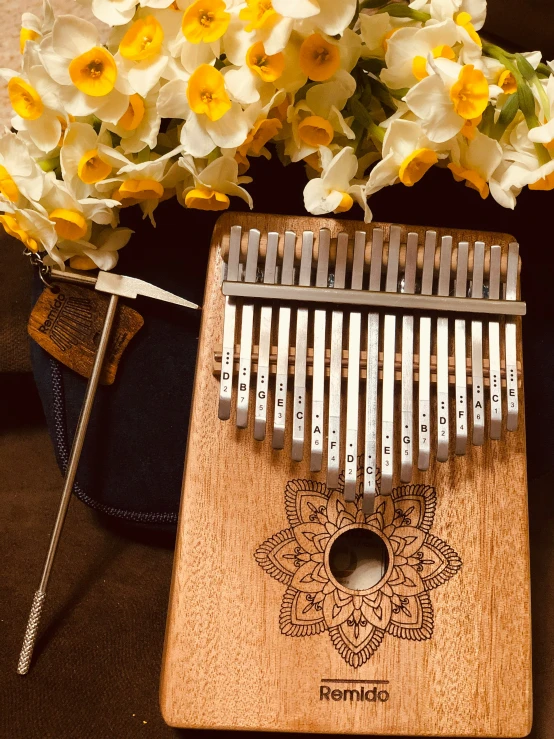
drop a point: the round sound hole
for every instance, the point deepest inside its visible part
(358, 559)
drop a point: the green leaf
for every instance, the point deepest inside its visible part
(373, 65)
(399, 94)
(372, 4)
(526, 103)
(507, 115)
(525, 68)
(487, 121)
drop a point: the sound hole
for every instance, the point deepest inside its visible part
(358, 559)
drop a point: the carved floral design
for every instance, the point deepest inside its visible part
(357, 621)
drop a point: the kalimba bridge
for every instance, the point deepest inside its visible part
(384, 347)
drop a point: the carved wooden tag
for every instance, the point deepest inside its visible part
(67, 322)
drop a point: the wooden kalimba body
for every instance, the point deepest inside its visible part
(352, 554)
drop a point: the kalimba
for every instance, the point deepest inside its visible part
(352, 554)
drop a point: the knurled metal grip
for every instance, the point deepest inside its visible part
(31, 633)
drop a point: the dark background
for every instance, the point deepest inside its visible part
(96, 667)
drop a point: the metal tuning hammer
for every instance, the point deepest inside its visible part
(116, 285)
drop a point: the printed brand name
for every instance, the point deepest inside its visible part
(359, 694)
(54, 311)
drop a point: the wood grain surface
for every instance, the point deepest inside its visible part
(237, 653)
(67, 321)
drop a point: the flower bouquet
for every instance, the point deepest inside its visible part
(171, 98)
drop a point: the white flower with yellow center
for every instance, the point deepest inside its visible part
(329, 16)
(87, 72)
(35, 231)
(35, 99)
(260, 70)
(258, 21)
(409, 49)
(81, 164)
(140, 125)
(475, 161)
(531, 164)
(21, 178)
(214, 185)
(211, 118)
(440, 10)
(444, 101)
(407, 155)
(377, 29)
(135, 183)
(100, 252)
(336, 189)
(544, 134)
(34, 28)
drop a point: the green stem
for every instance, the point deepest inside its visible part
(403, 11)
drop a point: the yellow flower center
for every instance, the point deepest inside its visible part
(203, 198)
(470, 94)
(143, 40)
(132, 118)
(131, 192)
(27, 34)
(345, 204)
(315, 131)
(8, 188)
(473, 179)
(419, 64)
(470, 126)
(507, 82)
(415, 165)
(12, 228)
(546, 183)
(70, 224)
(81, 261)
(94, 72)
(91, 168)
(205, 21)
(463, 19)
(206, 92)
(268, 67)
(25, 99)
(257, 14)
(318, 59)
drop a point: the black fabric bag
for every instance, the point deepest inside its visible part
(132, 462)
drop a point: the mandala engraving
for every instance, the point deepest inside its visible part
(357, 621)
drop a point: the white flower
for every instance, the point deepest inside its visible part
(527, 168)
(214, 184)
(407, 155)
(20, 177)
(446, 100)
(409, 49)
(442, 9)
(259, 70)
(140, 125)
(35, 98)
(34, 28)
(329, 16)
(88, 74)
(335, 191)
(81, 164)
(114, 12)
(101, 251)
(544, 134)
(29, 226)
(376, 30)
(475, 161)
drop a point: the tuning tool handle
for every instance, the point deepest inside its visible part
(31, 633)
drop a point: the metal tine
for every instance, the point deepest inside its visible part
(407, 391)
(299, 403)
(335, 370)
(477, 384)
(283, 335)
(318, 377)
(389, 350)
(372, 377)
(353, 379)
(264, 347)
(442, 354)
(247, 327)
(229, 320)
(460, 352)
(510, 341)
(424, 396)
(494, 349)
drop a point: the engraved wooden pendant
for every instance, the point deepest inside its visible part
(353, 544)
